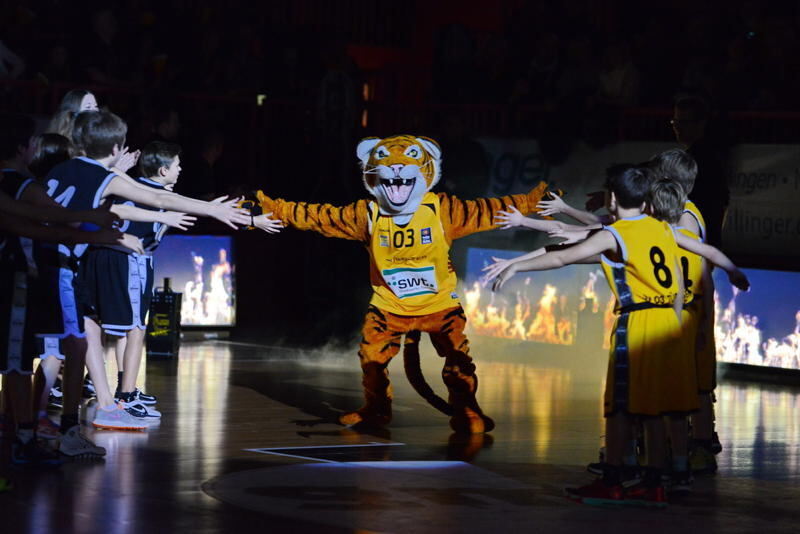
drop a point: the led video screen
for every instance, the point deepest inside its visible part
(761, 326)
(565, 306)
(202, 268)
(559, 307)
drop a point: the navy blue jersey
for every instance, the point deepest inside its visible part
(149, 232)
(12, 248)
(78, 184)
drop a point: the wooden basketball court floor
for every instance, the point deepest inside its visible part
(248, 444)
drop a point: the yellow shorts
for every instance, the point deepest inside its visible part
(651, 370)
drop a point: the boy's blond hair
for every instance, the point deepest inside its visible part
(677, 165)
(666, 201)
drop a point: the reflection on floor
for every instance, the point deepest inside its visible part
(248, 442)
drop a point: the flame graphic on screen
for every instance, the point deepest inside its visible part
(550, 320)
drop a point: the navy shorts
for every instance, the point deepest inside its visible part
(119, 288)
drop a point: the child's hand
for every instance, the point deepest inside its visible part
(132, 242)
(739, 280)
(569, 237)
(176, 219)
(504, 276)
(127, 159)
(263, 222)
(496, 268)
(509, 219)
(226, 211)
(551, 207)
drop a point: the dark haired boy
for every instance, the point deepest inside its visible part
(120, 283)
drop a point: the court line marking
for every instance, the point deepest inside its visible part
(370, 444)
(271, 450)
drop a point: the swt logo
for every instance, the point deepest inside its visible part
(410, 282)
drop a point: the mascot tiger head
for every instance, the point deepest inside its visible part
(399, 170)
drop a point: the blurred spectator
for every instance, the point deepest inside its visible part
(58, 67)
(100, 52)
(11, 65)
(199, 177)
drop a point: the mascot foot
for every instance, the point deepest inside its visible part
(366, 418)
(471, 422)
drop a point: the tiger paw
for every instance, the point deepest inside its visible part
(367, 418)
(471, 422)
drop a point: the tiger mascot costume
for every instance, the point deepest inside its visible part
(407, 231)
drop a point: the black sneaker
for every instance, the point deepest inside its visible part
(629, 474)
(681, 483)
(88, 388)
(137, 396)
(33, 454)
(144, 398)
(56, 397)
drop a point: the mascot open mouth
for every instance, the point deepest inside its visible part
(398, 189)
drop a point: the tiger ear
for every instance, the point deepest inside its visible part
(364, 148)
(430, 146)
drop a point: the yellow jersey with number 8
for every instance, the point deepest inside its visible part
(410, 268)
(647, 272)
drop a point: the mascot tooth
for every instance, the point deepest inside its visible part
(407, 231)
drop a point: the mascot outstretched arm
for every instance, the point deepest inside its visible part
(407, 231)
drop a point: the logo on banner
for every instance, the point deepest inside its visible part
(426, 236)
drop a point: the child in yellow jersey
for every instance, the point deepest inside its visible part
(666, 204)
(640, 260)
(679, 166)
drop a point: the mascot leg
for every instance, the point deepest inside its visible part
(380, 342)
(447, 335)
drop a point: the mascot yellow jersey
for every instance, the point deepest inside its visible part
(647, 274)
(410, 272)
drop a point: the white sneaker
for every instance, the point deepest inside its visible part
(74, 444)
(117, 419)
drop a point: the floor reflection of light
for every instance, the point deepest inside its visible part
(758, 426)
(524, 391)
(202, 405)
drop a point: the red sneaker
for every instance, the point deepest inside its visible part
(642, 495)
(596, 493)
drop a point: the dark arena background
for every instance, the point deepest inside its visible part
(275, 96)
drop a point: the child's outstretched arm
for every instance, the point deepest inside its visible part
(173, 219)
(499, 265)
(345, 222)
(222, 209)
(597, 244)
(557, 205)
(34, 204)
(513, 217)
(64, 234)
(715, 256)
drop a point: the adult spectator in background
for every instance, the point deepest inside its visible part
(710, 193)
(72, 103)
(202, 183)
(11, 65)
